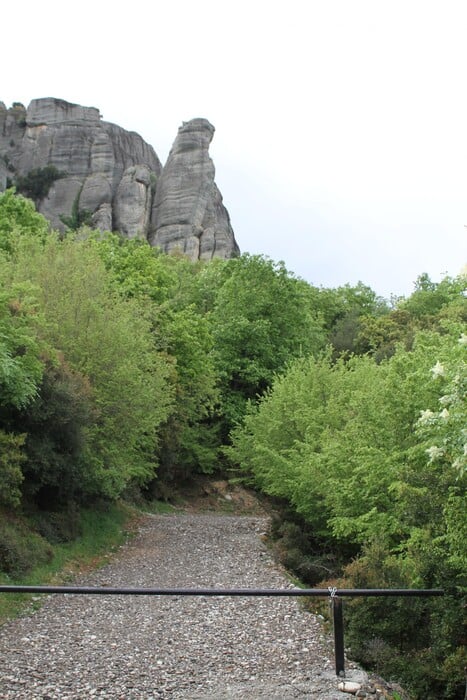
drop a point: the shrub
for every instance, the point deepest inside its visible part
(21, 551)
(60, 526)
(11, 476)
(417, 641)
(37, 183)
(78, 217)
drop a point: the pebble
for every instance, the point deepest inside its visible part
(190, 648)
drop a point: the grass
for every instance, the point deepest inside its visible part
(103, 531)
(158, 507)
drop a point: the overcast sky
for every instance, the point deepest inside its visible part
(340, 143)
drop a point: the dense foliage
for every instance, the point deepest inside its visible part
(374, 456)
(122, 368)
(124, 371)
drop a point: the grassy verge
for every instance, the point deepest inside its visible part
(102, 531)
(158, 507)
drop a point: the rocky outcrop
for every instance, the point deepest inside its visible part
(188, 213)
(92, 156)
(133, 201)
(114, 180)
(12, 125)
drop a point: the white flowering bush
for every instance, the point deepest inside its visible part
(445, 429)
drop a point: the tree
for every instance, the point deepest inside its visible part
(108, 340)
(55, 424)
(187, 440)
(344, 311)
(261, 319)
(18, 218)
(373, 456)
(429, 297)
(20, 364)
(37, 182)
(137, 269)
(21, 371)
(11, 476)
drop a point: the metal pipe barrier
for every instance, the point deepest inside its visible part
(334, 594)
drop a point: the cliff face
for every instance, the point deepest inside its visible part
(116, 179)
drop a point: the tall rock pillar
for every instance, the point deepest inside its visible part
(188, 213)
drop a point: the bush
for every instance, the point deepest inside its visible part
(21, 550)
(37, 183)
(56, 423)
(417, 641)
(11, 476)
(78, 217)
(304, 554)
(60, 526)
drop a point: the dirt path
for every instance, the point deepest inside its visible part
(137, 647)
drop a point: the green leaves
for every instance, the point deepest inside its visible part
(37, 183)
(54, 424)
(160, 286)
(11, 458)
(20, 364)
(108, 340)
(19, 219)
(345, 438)
(261, 319)
(374, 455)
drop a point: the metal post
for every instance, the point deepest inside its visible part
(338, 621)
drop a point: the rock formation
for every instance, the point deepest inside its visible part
(114, 180)
(188, 213)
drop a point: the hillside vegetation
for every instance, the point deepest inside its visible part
(124, 372)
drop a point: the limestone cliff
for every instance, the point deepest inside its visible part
(115, 178)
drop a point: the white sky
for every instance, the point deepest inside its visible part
(340, 143)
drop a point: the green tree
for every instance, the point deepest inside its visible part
(11, 476)
(428, 298)
(108, 340)
(55, 424)
(18, 218)
(21, 372)
(261, 319)
(373, 455)
(137, 269)
(425, 309)
(37, 182)
(20, 365)
(187, 440)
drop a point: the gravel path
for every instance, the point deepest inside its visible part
(135, 647)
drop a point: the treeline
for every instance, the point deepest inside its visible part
(124, 371)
